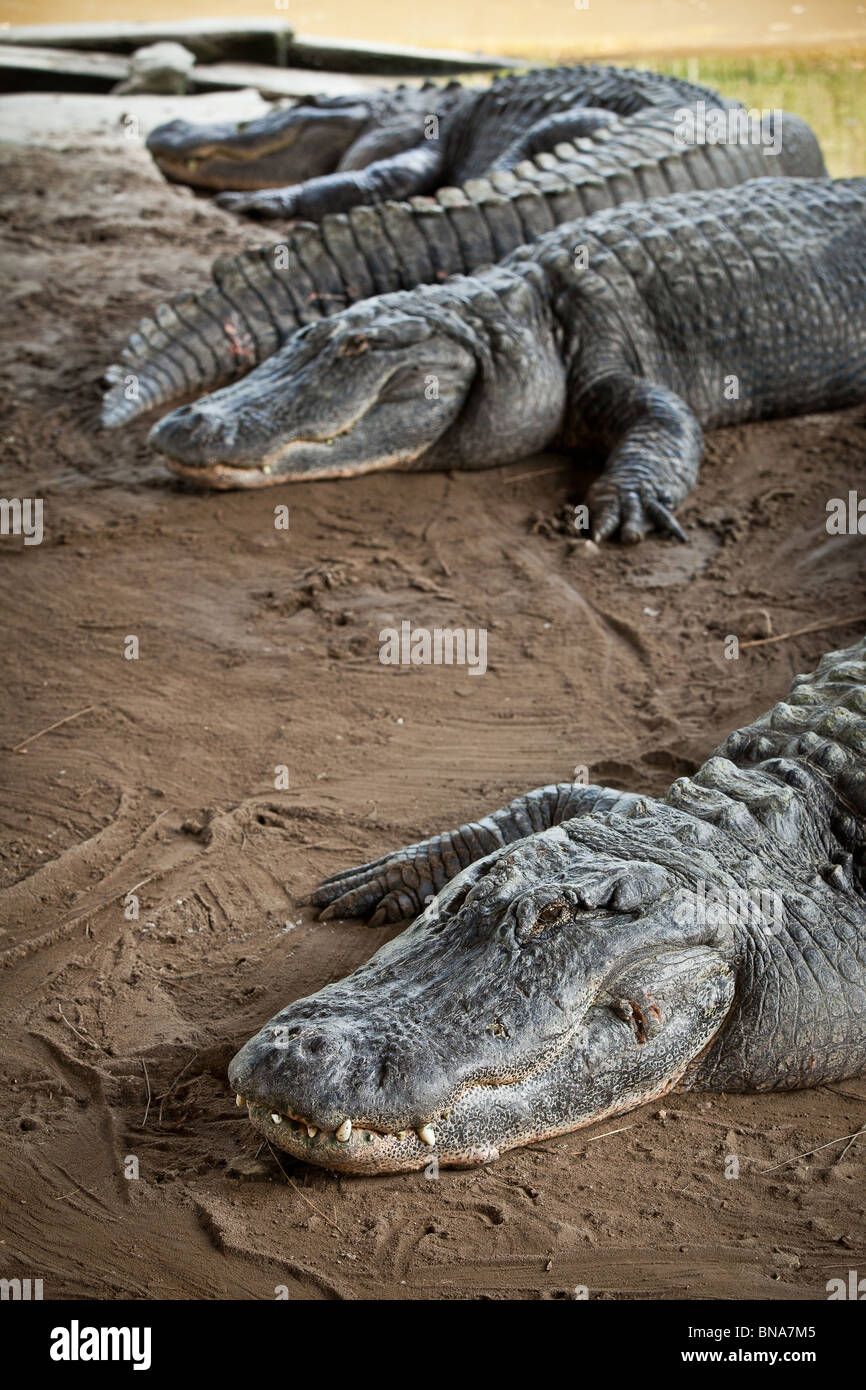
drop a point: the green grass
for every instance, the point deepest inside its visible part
(826, 89)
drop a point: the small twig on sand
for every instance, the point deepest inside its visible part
(809, 1152)
(608, 1133)
(88, 1042)
(838, 1091)
(861, 1130)
(536, 473)
(165, 1095)
(77, 715)
(324, 1215)
(798, 631)
(147, 1107)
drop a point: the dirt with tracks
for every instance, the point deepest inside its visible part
(258, 648)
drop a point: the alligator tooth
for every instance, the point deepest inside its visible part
(276, 1119)
(344, 1131)
(427, 1135)
(312, 1131)
(239, 1100)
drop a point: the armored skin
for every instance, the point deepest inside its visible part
(630, 332)
(261, 298)
(569, 966)
(329, 154)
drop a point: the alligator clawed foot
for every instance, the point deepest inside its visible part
(629, 511)
(379, 888)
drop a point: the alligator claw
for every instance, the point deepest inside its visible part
(629, 511)
(665, 520)
(391, 885)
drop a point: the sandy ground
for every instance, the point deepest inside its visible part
(259, 648)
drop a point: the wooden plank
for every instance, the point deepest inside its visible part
(282, 82)
(344, 55)
(57, 69)
(211, 40)
(54, 69)
(258, 41)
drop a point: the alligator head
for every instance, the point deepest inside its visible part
(436, 377)
(551, 984)
(283, 147)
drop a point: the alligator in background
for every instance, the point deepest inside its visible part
(329, 154)
(629, 332)
(715, 940)
(260, 298)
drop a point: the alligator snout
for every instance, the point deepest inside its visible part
(295, 1070)
(172, 136)
(194, 434)
(330, 1068)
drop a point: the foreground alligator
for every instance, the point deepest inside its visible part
(628, 331)
(715, 940)
(333, 153)
(262, 297)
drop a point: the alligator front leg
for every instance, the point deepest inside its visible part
(400, 884)
(413, 171)
(655, 444)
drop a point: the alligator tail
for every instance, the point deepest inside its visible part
(197, 342)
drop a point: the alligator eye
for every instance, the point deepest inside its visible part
(549, 916)
(358, 342)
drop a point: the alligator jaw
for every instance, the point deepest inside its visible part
(225, 476)
(602, 1066)
(279, 148)
(365, 1151)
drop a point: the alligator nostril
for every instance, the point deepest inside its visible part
(205, 424)
(192, 432)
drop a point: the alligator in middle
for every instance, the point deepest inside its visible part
(628, 332)
(261, 298)
(333, 153)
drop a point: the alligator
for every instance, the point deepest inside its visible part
(629, 332)
(328, 154)
(260, 298)
(584, 950)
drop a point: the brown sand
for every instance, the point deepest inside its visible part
(259, 648)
